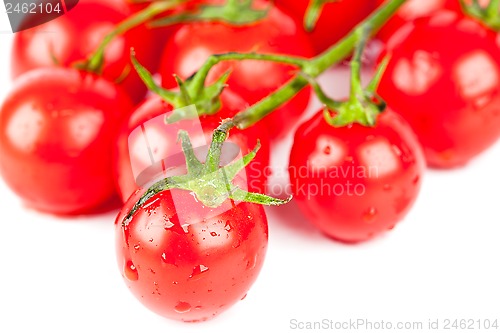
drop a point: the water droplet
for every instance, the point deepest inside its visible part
(185, 227)
(199, 307)
(214, 234)
(416, 180)
(168, 224)
(198, 272)
(227, 227)
(151, 240)
(194, 196)
(396, 150)
(327, 150)
(244, 296)
(237, 243)
(370, 214)
(252, 262)
(168, 259)
(137, 247)
(182, 307)
(152, 271)
(130, 271)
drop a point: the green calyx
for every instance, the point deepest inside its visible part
(206, 99)
(313, 13)
(363, 105)
(209, 182)
(488, 15)
(234, 12)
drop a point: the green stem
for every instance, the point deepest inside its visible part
(361, 107)
(95, 61)
(313, 13)
(314, 68)
(493, 8)
(199, 79)
(232, 3)
(148, 80)
(356, 86)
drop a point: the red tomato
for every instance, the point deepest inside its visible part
(132, 157)
(355, 182)
(57, 128)
(253, 80)
(412, 10)
(125, 6)
(337, 19)
(74, 36)
(449, 92)
(186, 261)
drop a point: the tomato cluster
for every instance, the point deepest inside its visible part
(78, 129)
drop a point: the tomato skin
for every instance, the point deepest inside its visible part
(366, 179)
(412, 10)
(337, 19)
(191, 45)
(188, 262)
(162, 146)
(56, 129)
(77, 34)
(449, 92)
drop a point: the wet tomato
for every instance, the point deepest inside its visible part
(74, 36)
(355, 182)
(186, 261)
(57, 129)
(447, 86)
(146, 146)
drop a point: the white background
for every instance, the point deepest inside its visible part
(60, 275)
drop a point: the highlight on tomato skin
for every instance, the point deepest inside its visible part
(185, 261)
(446, 86)
(57, 127)
(130, 153)
(354, 183)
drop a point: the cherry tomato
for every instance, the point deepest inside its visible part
(186, 261)
(412, 10)
(448, 91)
(57, 128)
(74, 36)
(355, 182)
(132, 157)
(337, 19)
(252, 80)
